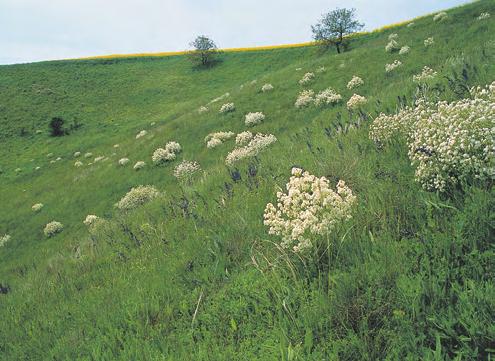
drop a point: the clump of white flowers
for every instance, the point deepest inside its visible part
(139, 165)
(257, 144)
(88, 155)
(429, 42)
(392, 46)
(426, 75)
(213, 140)
(393, 36)
(391, 67)
(221, 97)
(77, 154)
(266, 88)
(307, 78)
(37, 207)
(78, 164)
(141, 134)
(136, 197)
(411, 24)
(404, 50)
(4, 239)
(53, 228)
(227, 108)
(49, 155)
(440, 17)
(309, 210)
(169, 153)
(202, 109)
(356, 102)
(98, 159)
(90, 220)
(483, 16)
(116, 145)
(355, 82)
(305, 98)
(243, 138)
(449, 143)
(321, 69)
(328, 97)
(254, 118)
(124, 161)
(186, 170)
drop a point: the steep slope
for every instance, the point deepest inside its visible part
(194, 274)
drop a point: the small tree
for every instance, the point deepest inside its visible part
(57, 127)
(335, 27)
(205, 51)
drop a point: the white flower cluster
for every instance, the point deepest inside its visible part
(328, 97)
(257, 144)
(391, 67)
(167, 154)
(307, 78)
(411, 24)
(186, 169)
(88, 155)
(426, 75)
(213, 140)
(429, 42)
(310, 209)
(254, 118)
(483, 16)
(449, 143)
(78, 164)
(139, 165)
(266, 88)
(4, 239)
(53, 228)
(90, 220)
(356, 102)
(305, 98)
(243, 138)
(227, 108)
(98, 159)
(141, 134)
(404, 50)
(321, 69)
(124, 161)
(393, 36)
(221, 97)
(355, 82)
(136, 197)
(440, 17)
(392, 46)
(202, 109)
(77, 154)
(37, 207)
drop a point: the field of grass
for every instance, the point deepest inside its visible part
(194, 274)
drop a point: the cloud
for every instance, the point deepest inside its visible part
(32, 30)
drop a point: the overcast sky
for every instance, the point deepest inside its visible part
(33, 30)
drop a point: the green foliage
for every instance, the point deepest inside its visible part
(193, 274)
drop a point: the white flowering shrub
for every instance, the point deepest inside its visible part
(90, 220)
(124, 161)
(202, 109)
(221, 97)
(391, 67)
(356, 102)
(404, 50)
(307, 78)
(257, 144)
(321, 69)
(448, 143)
(213, 140)
(440, 17)
(429, 42)
(136, 197)
(77, 154)
(78, 164)
(213, 143)
(139, 165)
(37, 207)
(483, 16)
(141, 134)
(328, 97)
(53, 228)
(426, 75)
(167, 154)
(4, 239)
(305, 98)
(88, 155)
(116, 145)
(254, 118)
(309, 210)
(392, 46)
(99, 159)
(49, 155)
(411, 24)
(393, 36)
(243, 138)
(186, 170)
(227, 108)
(173, 147)
(355, 82)
(266, 88)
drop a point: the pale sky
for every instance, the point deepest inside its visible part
(34, 30)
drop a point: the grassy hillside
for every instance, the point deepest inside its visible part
(194, 274)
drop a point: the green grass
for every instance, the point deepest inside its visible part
(194, 275)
